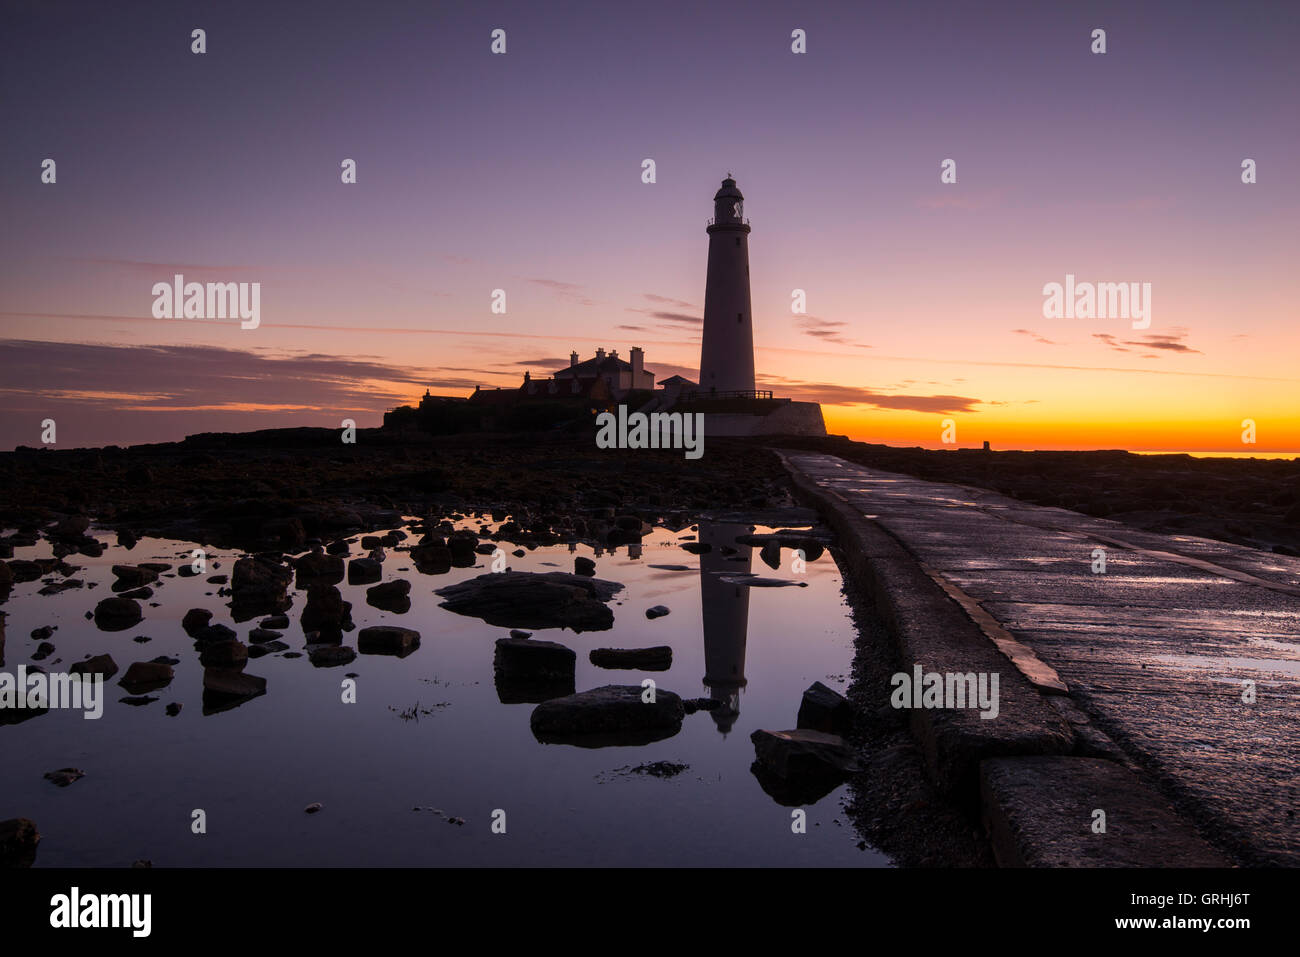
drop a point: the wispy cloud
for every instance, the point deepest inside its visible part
(1035, 336)
(1171, 342)
(832, 394)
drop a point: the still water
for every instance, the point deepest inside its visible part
(428, 738)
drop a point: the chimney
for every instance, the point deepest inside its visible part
(600, 354)
(573, 359)
(613, 353)
(638, 360)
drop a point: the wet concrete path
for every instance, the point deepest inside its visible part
(1158, 648)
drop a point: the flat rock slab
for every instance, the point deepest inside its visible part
(800, 753)
(1040, 812)
(656, 658)
(534, 600)
(609, 715)
(387, 640)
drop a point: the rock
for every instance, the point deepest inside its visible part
(325, 611)
(214, 634)
(657, 611)
(137, 701)
(339, 547)
(610, 715)
(269, 648)
(262, 636)
(431, 559)
(387, 640)
(224, 682)
(18, 841)
(330, 656)
(195, 621)
(584, 566)
(824, 709)
(98, 665)
(803, 753)
(364, 571)
(127, 538)
(318, 568)
(770, 553)
(72, 528)
(758, 581)
(516, 633)
(118, 614)
(132, 576)
(139, 594)
(657, 658)
(224, 654)
(526, 658)
(313, 807)
(53, 588)
(534, 600)
(173, 709)
(391, 596)
(42, 633)
(43, 651)
(371, 541)
(145, 676)
(696, 548)
(65, 776)
(461, 544)
(279, 622)
(259, 586)
(693, 705)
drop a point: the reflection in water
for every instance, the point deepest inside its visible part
(725, 610)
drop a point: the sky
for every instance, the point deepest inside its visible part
(523, 172)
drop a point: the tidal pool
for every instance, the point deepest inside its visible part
(428, 738)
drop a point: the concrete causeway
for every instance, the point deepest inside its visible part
(1149, 661)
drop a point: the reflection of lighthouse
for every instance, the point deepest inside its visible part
(725, 609)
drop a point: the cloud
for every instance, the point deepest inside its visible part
(667, 301)
(831, 394)
(1035, 336)
(1171, 342)
(828, 330)
(568, 291)
(198, 377)
(1111, 341)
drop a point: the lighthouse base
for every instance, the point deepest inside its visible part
(784, 418)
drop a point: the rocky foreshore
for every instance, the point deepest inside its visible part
(281, 489)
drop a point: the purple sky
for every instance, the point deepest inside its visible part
(522, 172)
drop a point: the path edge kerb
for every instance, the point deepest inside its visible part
(930, 628)
(1031, 819)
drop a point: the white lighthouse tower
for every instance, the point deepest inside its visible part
(727, 352)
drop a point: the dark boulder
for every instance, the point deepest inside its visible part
(391, 596)
(118, 614)
(387, 640)
(823, 709)
(18, 841)
(612, 715)
(98, 665)
(534, 600)
(657, 658)
(145, 676)
(364, 571)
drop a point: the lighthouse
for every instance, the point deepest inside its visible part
(727, 350)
